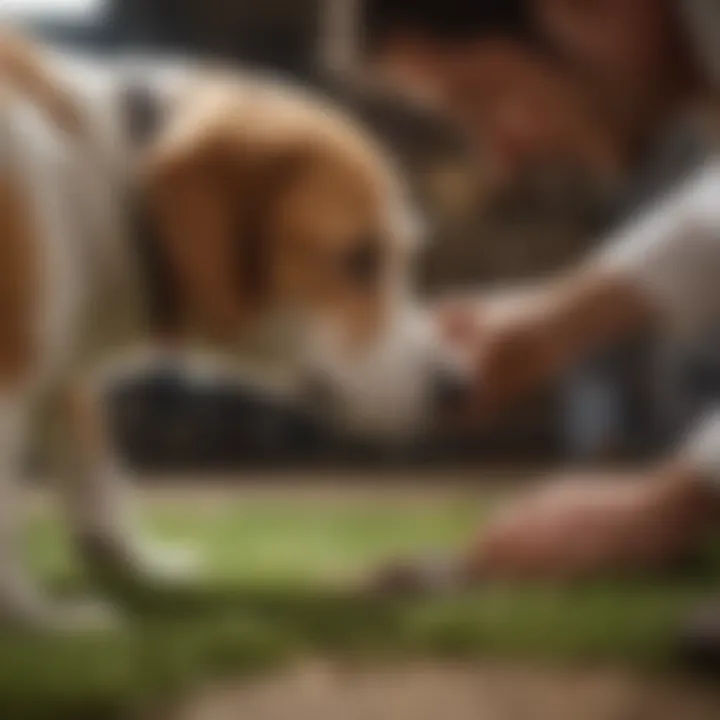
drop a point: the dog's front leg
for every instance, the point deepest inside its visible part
(96, 491)
(20, 598)
(23, 604)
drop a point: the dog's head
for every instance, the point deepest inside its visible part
(274, 206)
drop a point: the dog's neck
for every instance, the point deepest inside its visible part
(106, 207)
(131, 277)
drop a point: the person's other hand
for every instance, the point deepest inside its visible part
(572, 530)
(606, 525)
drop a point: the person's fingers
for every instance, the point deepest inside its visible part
(458, 322)
(559, 534)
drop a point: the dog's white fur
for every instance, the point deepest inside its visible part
(77, 195)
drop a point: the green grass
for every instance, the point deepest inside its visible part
(275, 573)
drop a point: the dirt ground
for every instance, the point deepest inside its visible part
(322, 691)
(435, 691)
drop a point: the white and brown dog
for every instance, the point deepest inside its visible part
(204, 205)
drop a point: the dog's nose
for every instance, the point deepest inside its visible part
(450, 388)
(319, 392)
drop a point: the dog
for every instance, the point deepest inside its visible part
(196, 206)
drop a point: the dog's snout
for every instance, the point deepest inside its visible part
(319, 392)
(450, 389)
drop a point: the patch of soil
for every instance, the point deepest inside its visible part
(325, 691)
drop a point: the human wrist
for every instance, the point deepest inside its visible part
(689, 494)
(591, 307)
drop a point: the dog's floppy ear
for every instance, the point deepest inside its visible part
(211, 183)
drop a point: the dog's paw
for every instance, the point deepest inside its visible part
(122, 562)
(169, 563)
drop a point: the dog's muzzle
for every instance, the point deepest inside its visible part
(450, 390)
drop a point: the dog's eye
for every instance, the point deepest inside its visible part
(362, 265)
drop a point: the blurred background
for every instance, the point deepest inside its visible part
(493, 221)
(529, 174)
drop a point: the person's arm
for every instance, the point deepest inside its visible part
(662, 269)
(671, 255)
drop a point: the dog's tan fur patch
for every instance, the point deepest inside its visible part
(19, 283)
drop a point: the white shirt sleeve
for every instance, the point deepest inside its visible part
(672, 253)
(701, 449)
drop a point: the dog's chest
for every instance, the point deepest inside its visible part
(107, 312)
(93, 288)
(88, 297)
